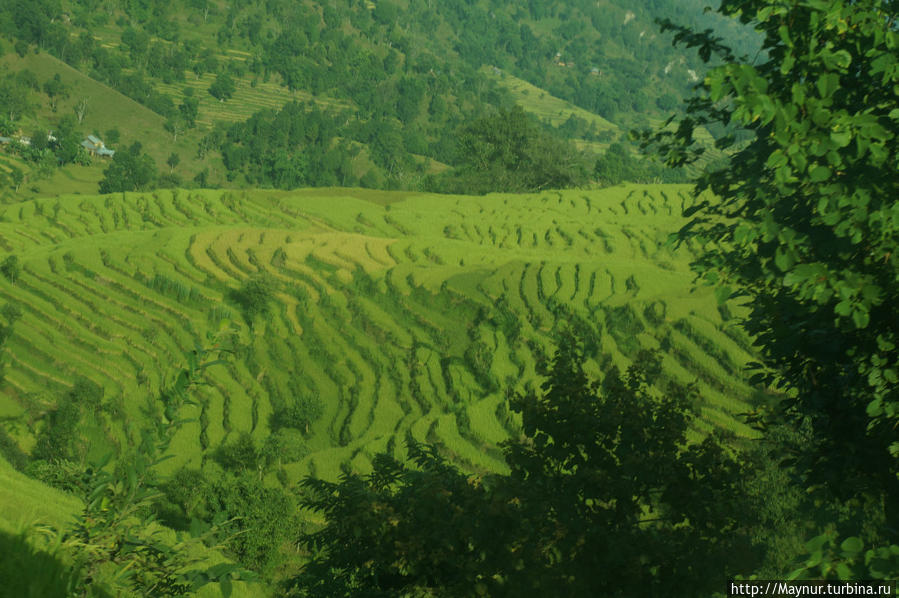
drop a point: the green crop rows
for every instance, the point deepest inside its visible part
(406, 316)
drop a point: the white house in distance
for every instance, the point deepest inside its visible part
(95, 147)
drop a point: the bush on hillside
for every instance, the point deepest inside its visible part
(130, 170)
(506, 151)
(255, 296)
(617, 165)
(10, 268)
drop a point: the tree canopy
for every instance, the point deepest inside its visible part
(130, 170)
(507, 151)
(803, 224)
(605, 497)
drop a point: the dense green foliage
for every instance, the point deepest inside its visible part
(255, 296)
(61, 438)
(805, 226)
(507, 152)
(130, 170)
(387, 352)
(115, 545)
(605, 497)
(297, 146)
(560, 46)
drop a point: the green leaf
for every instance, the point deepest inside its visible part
(843, 571)
(817, 543)
(852, 545)
(797, 573)
(783, 259)
(722, 294)
(828, 84)
(836, 60)
(874, 408)
(861, 317)
(743, 233)
(843, 308)
(776, 159)
(884, 344)
(226, 586)
(818, 174)
(871, 293)
(801, 273)
(841, 138)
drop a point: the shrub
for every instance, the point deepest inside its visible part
(255, 296)
(10, 268)
(298, 415)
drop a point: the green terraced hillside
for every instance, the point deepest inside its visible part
(405, 315)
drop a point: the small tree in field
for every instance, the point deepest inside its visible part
(222, 88)
(80, 109)
(255, 296)
(173, 160)
(56, 90)
(11, 268)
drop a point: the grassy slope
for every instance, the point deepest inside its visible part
(24, 501)
(549, 108)
(556, 111)
(380, 299)
(107, 109)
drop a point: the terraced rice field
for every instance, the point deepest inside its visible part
(406, 315)
(248, 99)
(543, 105)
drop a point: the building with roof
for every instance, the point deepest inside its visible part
(95, 147)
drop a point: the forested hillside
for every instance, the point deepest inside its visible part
(377, 91)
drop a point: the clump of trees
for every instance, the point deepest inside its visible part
(255, 296)
(115, 545)
(507, 151)
(254, 521)
(617, 165)
(10, 268)
(223, 87)
(295, 146)
(412, 88)
(605, 497)
(130, 170)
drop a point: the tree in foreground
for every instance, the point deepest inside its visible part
(605, 497)
(115, 546)
(804, 222)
